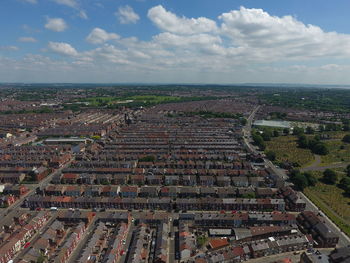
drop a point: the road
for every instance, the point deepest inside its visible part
(344, 240)
(34, 238)
(41, 184)
(247, 140)
(248, 129)
(295, 257)
(322, 168)
(128, 240)
(83, 242)
(171, 241)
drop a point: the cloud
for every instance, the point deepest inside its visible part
(280, 37)
(170, 22)
(75, 5)
(30, 1)
(62, 49)
(56, 24)
(180, 40)
(127, 15)
(27, 39)
(243, 45)
(9, 48)
(69, 3)
(99, 36)
(30, 30)
(83, 15)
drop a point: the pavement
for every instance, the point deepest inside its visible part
(294, 257)
(322, 168)
(41, 184)
(127, 245)
(82, 243)
(344, 240)
(35, 237)
(171, 241)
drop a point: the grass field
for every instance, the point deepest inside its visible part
(338, 152)
(330, 199)
(286, 149)
(336, 134)
(152, 99)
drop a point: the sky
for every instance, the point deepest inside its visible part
(175, 41)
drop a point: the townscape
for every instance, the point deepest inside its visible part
(166, 174)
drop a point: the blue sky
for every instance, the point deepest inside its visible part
(175, 41)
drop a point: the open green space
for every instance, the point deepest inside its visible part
(136, 100)
(334, 100)
(331, 200)
(338, 152)
(208, 114)
(287, 150)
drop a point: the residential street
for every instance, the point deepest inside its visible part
(344, 240)
(43, 183)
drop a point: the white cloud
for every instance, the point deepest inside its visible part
(56, 24)
(27, 39)
(62, 49)
(9, 48)
(245, 45)
(31, 1)
(70, 3)
(170, 22)
(75, 5)
(127, 15)
(99, 36)
(82, 14)
(280, 37)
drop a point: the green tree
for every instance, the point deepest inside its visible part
(148, 158)
(346, 138)
(259, 141)
(298, 131)
(312, 180)
(347, 191)
(310, 130)
(243, 121)
(294, 172)
(271, 155)
(348, 170)
(303, 142)
(300, 181)
(320, 148)
(330, 176)
(249, 195)
(344, 183)
(285, 131)
(267, 134)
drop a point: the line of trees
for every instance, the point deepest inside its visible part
(329, 176)
(265, 135)
(302, 180)
(345, 182)
(314, 144)
(346, 138)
